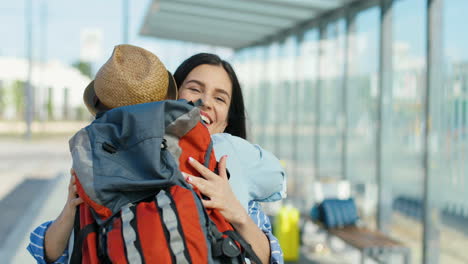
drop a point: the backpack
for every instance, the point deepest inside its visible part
(335, 213)
(137, 206)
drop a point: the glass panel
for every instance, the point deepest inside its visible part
(269, 113)
(285, 111)
(331, 107)
(452, 138)
(307, 73)
(263, 106)
(405, 120)
(245, 73)
(362, 109)
(254, 110)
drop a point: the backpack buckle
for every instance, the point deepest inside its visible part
(164, 144)
(229, 248)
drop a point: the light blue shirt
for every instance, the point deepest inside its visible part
(256, 174)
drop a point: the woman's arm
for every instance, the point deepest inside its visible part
(57, 235)
(217, 188)
(253, 235)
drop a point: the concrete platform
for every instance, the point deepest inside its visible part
(34, 178)
(47, 205)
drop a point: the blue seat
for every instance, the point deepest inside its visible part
(335, 213)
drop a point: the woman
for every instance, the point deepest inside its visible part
(206, 77)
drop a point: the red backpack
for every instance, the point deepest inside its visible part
(137, 206)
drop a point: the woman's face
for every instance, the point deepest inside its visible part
(213, 86)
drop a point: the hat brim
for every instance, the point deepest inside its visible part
(172, 88)
(89, 95)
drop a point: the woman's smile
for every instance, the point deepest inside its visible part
(213, 86)
(206, 118)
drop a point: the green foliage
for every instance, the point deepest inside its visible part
(50, 106)
(2, 99)
(18, 97)
(81, 113)
(84, 67)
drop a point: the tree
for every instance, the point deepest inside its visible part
(18, 97)
(84, 67)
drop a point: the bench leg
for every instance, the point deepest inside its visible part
(407, 256)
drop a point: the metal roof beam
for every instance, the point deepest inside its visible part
(324, 18)
(225, 14)
(191, 36)
(212, 30)
(205, 22)
(248, 6)
(238, 23)
(314, 4)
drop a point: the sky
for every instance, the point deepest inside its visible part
(57, 37)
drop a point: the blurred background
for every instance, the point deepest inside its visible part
(370, 95)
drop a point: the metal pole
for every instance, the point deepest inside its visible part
(383, 169)
(252, 106)
(263, 87)
(295, 133)
(125, 10)
(44, 31)
(434, 60)
(350, 29)
(40, 99)
(318, 94)
(279, 101)
(29, 91)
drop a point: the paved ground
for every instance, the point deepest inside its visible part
(41, 158)
(29, 174)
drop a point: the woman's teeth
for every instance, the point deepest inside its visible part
(205, 119)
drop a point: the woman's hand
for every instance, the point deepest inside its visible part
(217, 189)
(56, 237)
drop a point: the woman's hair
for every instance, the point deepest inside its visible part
(236, 115)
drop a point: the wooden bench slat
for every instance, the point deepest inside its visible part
(364, 238)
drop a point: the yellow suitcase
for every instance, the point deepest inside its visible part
(286, 229)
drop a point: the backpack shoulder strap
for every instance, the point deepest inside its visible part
(249, 252)
(76, 255)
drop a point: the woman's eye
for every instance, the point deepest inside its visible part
(194, 90)
(220, 99)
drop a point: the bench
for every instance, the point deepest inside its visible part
(370, 243)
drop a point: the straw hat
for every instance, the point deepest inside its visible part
(132, 75)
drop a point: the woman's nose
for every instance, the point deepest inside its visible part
(207, 101)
